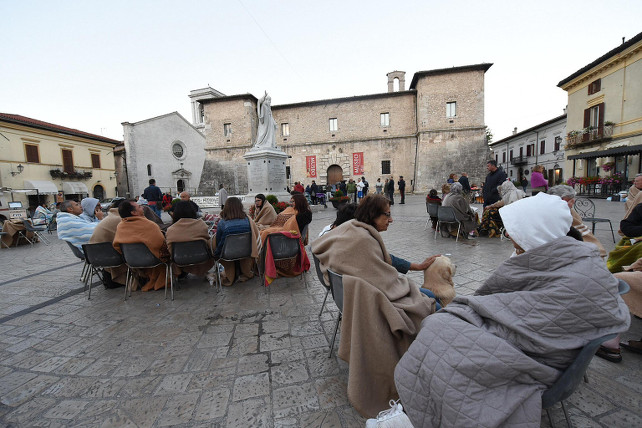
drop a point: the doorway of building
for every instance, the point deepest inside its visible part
(99, 192)
(180, 186)
(335, 174)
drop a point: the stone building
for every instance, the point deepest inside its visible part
(434, 128)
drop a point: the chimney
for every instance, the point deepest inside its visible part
(400, 76)
(514, 130)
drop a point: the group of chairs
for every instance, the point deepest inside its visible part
(563, 388)
(444, 215)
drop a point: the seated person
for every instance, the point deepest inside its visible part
(433, 198)
(42, 215)
(105, 231)
(150, 214)
(491, 222)
(628, 250)
(263, 213)
(185, 228)
(186, 197)
(382, 310)
(71, 227)
(521, 328)
(463, 212)
(344, 213)
(135, 228)
(234, 221)
(91, 210)
(632, 275)
(567, 193)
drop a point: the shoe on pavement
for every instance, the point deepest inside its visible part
(394, 417)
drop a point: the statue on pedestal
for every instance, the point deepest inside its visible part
(266, 133)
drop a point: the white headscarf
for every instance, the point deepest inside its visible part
(535, 221)
(510, 193)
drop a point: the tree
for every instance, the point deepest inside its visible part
(489, 135)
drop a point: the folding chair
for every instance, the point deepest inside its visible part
(36, 230)
(188, 253)
(1, 241)
(84, 276)
(586, 209)
(282, 247)
(138, 256)
(432, 210)
(317, 266)
(237, 246)
(100, 256)
(336, 285)
(447, 215)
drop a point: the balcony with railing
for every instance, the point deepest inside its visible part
(519, 160)
(587, 135)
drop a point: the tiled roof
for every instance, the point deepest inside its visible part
(34, 123)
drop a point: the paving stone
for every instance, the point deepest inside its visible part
(286, 355)
(172, 384)
(289, 373)
(294, 400)
(143, 412)
(254, 385)
(249, 364)
(332, 391)
(29, 411)
(51, 364)
(274, 341)
(321, 420)
(178, 410)
(67, 409)
(621, 418)
(13, 380)
(213, 404)
(248, 413)
(27, 390)
(275, 326)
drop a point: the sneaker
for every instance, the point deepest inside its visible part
(612, 355)
(394, 417)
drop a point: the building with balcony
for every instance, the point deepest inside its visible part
(604, 125)
(40, 161)
(542, 144)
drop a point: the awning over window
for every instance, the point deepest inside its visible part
(74, 188)
(618, 151)
(43, 187)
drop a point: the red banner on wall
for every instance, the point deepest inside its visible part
(357, 163)
(311, 166)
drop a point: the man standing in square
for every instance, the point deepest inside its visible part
(154, 197)
(402, 189)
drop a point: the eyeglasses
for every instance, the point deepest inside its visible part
(387, 214)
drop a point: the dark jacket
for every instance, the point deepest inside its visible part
(632, 225)
(464, 183)
(493, 179)
(402, 185)
(153, 194)
(391, 186)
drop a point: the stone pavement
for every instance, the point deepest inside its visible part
(241, 358)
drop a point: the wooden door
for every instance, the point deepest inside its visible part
(335, 174)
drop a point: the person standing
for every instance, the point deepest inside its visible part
(402, 189)
(379, 186)
(222, 196)
(154, 196)
(465, 184)
(390, 190)
(352, 190)
(314, 189)
(496, 176)
(524, 183)
(538, 182)
(360, 187)
(366, 185)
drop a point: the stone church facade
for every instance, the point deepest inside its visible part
(434, 128)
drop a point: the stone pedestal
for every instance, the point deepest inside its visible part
(266, 173)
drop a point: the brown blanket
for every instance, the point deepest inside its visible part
(382, 312)
(105, 231)
(186, 230)
(633, 276)
(285, 221)
(266, 216)
(136, 229)
(587, 236)
(633, 198)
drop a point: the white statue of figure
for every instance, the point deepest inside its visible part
(266, 133)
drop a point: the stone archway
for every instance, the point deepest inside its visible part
(99, 192)
(335, 174)
(180, 185)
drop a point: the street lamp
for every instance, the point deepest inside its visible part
(20, 169)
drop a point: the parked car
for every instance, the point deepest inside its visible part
(106, 203)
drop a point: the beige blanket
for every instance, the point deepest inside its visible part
(633, 276)
(633, 198)
(266, 216)
(105, 231)
(382, 312)
(186, 230)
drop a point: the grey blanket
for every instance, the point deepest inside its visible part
(485, 359)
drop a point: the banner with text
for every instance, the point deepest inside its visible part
(311, 166)
(357, 163)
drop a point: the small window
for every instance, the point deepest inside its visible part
(451, 109)
(542, 147)
(95, 160)
(201, 113)
(510, 155)
(385, 167)
(149, 169)
(385, 119)
(285, 129)
(511, 172)
(177, 150)
(558, 143)
(595, 86)
(528, 150)
(503, 157)
(521, 152)
(227, 129)
(497, 158)
(333, 124)
(33, 155)
(67, 161)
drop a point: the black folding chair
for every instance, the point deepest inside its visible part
(138, 256)
(447, 215)
(100, 256)
(84, 275)
(317, 266)
(282, 247)
(336, 285)
(36, 230)
(433, 210)
(237, 246)
(586, 209)
(188, 253)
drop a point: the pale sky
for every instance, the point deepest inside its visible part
(92, 65)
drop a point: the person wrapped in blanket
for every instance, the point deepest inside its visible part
(491, 222)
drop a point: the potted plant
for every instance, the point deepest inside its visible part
(339, 199)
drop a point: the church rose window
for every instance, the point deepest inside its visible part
(177, 150)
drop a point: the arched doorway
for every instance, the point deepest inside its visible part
(180, 186)
(335, 174)
(99, 192)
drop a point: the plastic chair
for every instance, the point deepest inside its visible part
(570, 379)
(317, 265)
(336, 285)
(188, 253)
(100, 256)
(237, 246)
(586, 209)
(447, 215)
(138, 256)
(433, 210)
(283, 248)
(36, 230)
(84, 276)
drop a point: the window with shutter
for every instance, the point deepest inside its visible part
(528, 150)
(95, 160)
(595, 87)
(542, 147)
(33, 156)
(67, 161)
